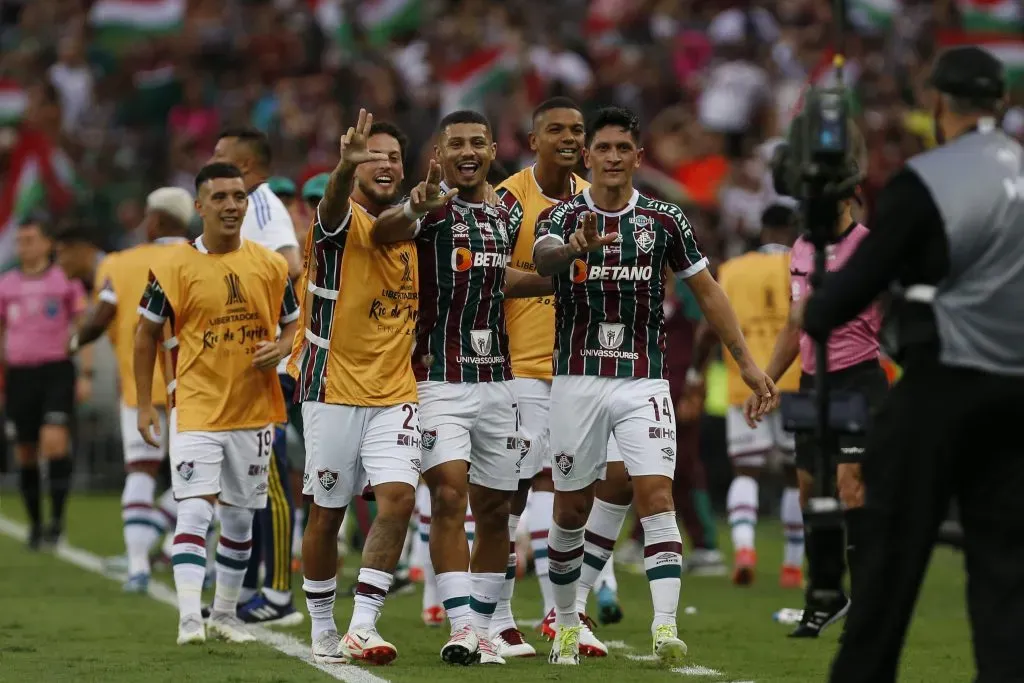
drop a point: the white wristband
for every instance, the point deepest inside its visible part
(409, 213)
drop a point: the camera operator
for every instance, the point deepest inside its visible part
(949, 228)
(853, 365)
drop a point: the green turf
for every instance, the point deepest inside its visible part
(59, 622)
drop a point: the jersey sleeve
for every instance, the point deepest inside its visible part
(551, 224)
(515, 212)
(289, 305)
(276, 228)
(332, 236)
(154, 305)
(428, 225)
(684, 254)
(105, 291)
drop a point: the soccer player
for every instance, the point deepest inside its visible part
(557, 140)
(222, 298)
(268, 223)
(38, 305)
(468, 415)
(358, 392)
(122, 278)
(608, 249)
(757, 284)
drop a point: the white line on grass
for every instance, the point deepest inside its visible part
(293, 647)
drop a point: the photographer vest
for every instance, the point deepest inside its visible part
(977, 184)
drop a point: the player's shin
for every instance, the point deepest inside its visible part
(234, 549)
(320, 567)
(502, 618)
(381, 553)
(565, 560)
(539, 513)
(603, 528)
(742, 504)
(490, 557)
(449, 549)
(189, 554)
(663, 562)
(141, 529)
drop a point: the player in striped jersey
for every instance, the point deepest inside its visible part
(468, 415)
(608, 249)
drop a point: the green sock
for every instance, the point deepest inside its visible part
(702, 504)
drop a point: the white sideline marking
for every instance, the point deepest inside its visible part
(642, 658)
(696, 670)
(293, 647)
(617, 645)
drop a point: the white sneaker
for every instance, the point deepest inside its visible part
(511, 643)
(327, 649)
(565, 649)
(704, 562)
(488, 652)
(667, 645)
(191, 630)
(366, 645)
(590, 644)
(462, 647)
(230, 628)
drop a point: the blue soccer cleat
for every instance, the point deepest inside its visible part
(259, 610)
(137, 583)
(609, 610)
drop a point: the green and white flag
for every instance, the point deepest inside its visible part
(874, 14)
(992, 16)
(1008, 48)
(120, 24)
(380, 20)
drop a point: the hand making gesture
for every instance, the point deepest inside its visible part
(586, 238)
(353, 142)
(426, 196)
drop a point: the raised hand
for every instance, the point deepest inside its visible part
(586, 238)
(353, 142)
(426, 196)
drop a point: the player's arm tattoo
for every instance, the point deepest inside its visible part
(551, 256)
(384, 543)
(334, 204)
(719, 314)
(786, 350)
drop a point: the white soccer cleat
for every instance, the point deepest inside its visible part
(462, 647)
(191, 630)
(488, 652)
(565, 649)
(667, 645)
(366, 645)
(590, 644)
(511, 643)
(327, 649)
(229, 627)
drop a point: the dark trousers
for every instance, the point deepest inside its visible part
(943, 434)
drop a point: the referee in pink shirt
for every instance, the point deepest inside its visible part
(38, 306)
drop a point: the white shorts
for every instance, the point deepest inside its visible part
(346, 445)
(750, 447)
(134, 446)
(234, 464)
(534, 399)
(586, 411)
(474, 422)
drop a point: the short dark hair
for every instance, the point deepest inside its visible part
(465, 116)
(218, 169)
(255, 138)
(614, 116)
(778, 216)
(388, 128)
(555, 103)
(73, 232)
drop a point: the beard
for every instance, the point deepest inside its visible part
(378, 196)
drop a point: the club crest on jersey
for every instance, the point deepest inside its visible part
(428, 439)
(564, 463)
(328, 479)
(643, 234)
(481, 341)
(610, 335)
(186, 469)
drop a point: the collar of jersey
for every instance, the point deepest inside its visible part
(445, 187)
(572, 186)
(170, 240)
(201, 248)
(629, 207)
(773, 248)
(256, 187)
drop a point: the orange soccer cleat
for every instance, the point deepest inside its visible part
(434, 615)
(743, 567)
(791, 577)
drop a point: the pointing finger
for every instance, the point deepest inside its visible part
(361, 121)
(367, 124)
(433, 173)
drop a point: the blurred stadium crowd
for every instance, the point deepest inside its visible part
(103, 100)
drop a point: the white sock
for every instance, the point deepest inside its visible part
(454, 589)
(607, 577)
(793, 528)
(234, 547)
(741, 502)
(141, 522)
(663, 560)
(565, 558)
(300, 518)
(320, 604)
(279, 598)
(168, 507)
(483, 600)
(189, 554)
(372, 588)
(602, 530)
(502, 618)
(539, 514)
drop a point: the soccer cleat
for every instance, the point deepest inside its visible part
(416, 574)
(229, 627)
(366, 645)
(327, 649)
(487, 653)
(434, 615)
(547, 626)
(191, 630)
(462, 647)
(35, 538)
(743, 570)
(705, 562)
(609, 610)
(589, 645)
(791, 577)
(667, 645)
(565, 649)
(819, 615)
(138, 583)
(511, 643)
(52, 534)
(260, 610)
